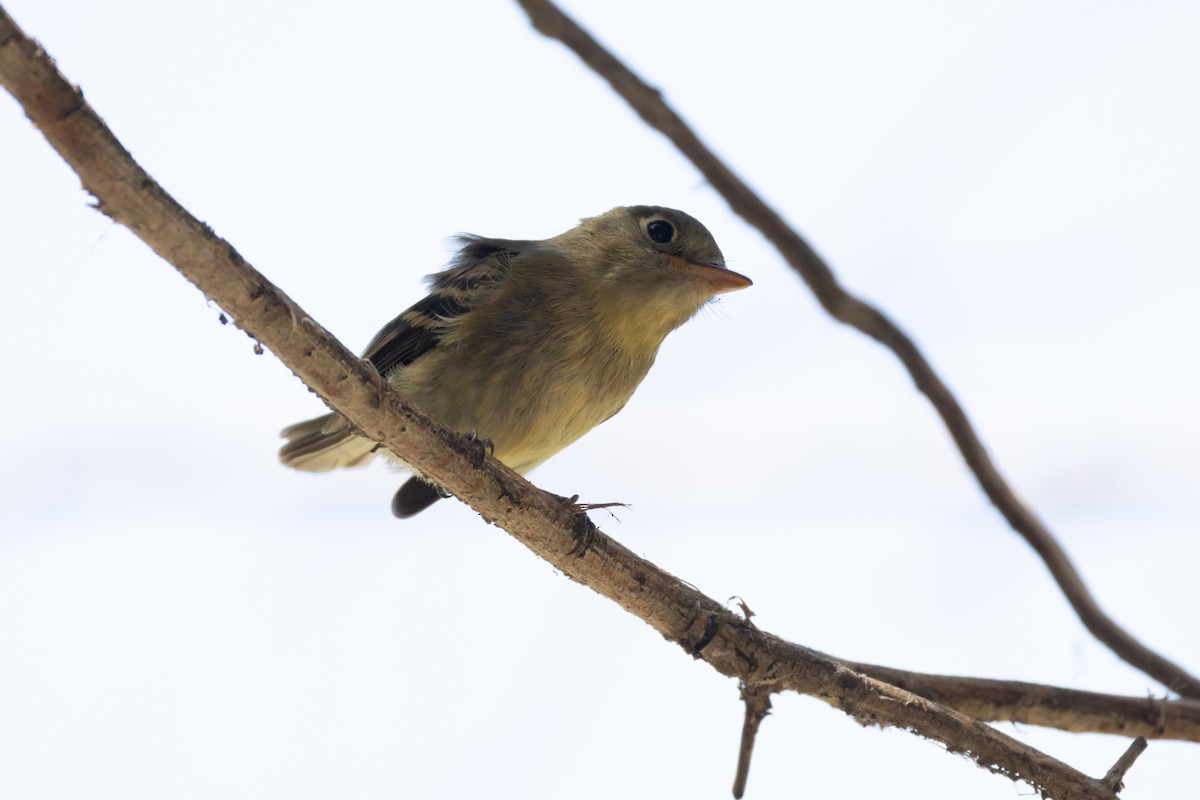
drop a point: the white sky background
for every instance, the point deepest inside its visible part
(1015, 182)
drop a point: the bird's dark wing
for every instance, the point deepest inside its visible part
(480, 266)
(414, 497)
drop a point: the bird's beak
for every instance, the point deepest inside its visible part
(719, 278)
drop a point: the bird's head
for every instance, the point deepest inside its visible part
(649, 269)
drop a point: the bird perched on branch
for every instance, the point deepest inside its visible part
(531, 344)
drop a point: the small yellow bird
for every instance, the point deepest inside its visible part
(531, 344)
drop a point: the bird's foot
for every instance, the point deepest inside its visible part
(481, 448)
(585, 533)
(585, 530)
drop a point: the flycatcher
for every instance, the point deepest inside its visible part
(531, 344)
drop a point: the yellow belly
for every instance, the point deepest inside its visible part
(529, 411)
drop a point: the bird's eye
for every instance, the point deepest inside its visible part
(660, 231)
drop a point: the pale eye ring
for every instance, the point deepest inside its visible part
(660, 231)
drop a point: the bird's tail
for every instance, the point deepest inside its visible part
(327, 443)
(324, 444)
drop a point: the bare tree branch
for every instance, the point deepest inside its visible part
(699, 624)
(1074, 710)
(847, 308)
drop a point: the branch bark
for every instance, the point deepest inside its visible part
(697, 623)
(847, 308)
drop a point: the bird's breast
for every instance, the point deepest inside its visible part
(530, 395)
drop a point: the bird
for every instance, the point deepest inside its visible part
(529, 344)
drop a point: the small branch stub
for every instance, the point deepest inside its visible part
(1114, 779)
(758, 705)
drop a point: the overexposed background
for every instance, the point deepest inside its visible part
(1015, 182)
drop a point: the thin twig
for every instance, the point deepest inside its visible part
(682, 614)
(758, 705)
(847, 308)
(1115, 777)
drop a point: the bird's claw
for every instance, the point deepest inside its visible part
(481, 448)
(585, 533)
(562, 501)
(585, 530)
